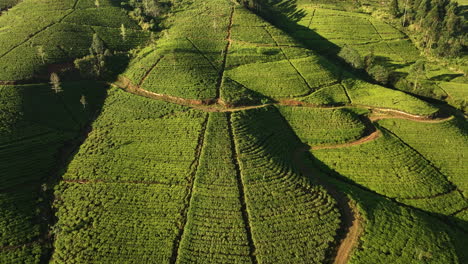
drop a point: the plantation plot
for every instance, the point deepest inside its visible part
(389, 167)
(274, 79)
(343, 27)
(448, 146)
(60, 33)
(190, 56)
(458, 94)
(323, 126)
(216, 229)
(281, 233)
(127, 144)
(115, 222)
(398, 234)
(330, 95)
(366, 94)
(35, 124)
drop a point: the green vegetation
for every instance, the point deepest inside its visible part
(266, 147)
(366, 94)
(55, 23)
(448, 148)
(35, 124)
(216, 231)
(149, 171)
(396, 171)
(258, 131)
(323, 126)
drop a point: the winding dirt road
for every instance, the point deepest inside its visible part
(351, 223)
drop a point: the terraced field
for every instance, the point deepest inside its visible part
(221, 137)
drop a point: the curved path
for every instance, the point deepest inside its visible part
(351, 223)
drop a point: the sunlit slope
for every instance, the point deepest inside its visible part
(126, 189)
(303, 233)
(63, 30)
(393, 233)
(218, 50)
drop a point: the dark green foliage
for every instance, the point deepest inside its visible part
(352, 57)
(441, 25)
(148, 12)
(394, 8)
(379, 73)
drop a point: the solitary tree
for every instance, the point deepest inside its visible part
(123, 32)
(352, 57)
(97, 46)
(55, 82)
(83, 101)
(41, 53)
(417, 70)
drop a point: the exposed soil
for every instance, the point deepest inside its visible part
(351, 223)
(374, 135)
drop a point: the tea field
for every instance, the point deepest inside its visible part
(221, 131)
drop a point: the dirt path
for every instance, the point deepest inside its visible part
(216, 105)
(220, 81)
(374, 135)
(351, 223)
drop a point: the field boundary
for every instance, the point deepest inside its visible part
(189, 196)
(351, 221)
(220, 81)
(241, 187)
(290, 62)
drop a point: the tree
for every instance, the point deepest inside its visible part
(394, 8)
(83, 101)
(123, 32)
(55, 82)
(97, 46)
(41, 53)
(352, 57)
(417, 70)
(379, 73)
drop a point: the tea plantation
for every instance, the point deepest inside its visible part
(228, 131)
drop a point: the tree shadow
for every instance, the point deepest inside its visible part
(41, 140)
(445, 77)
(371, 201)
(285, 15)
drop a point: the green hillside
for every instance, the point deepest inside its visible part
(221, 131)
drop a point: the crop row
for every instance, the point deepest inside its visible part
(126, 137)
(386, 166)
(215, 231)
(448, 148)
(316, 126)
(281, 233)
